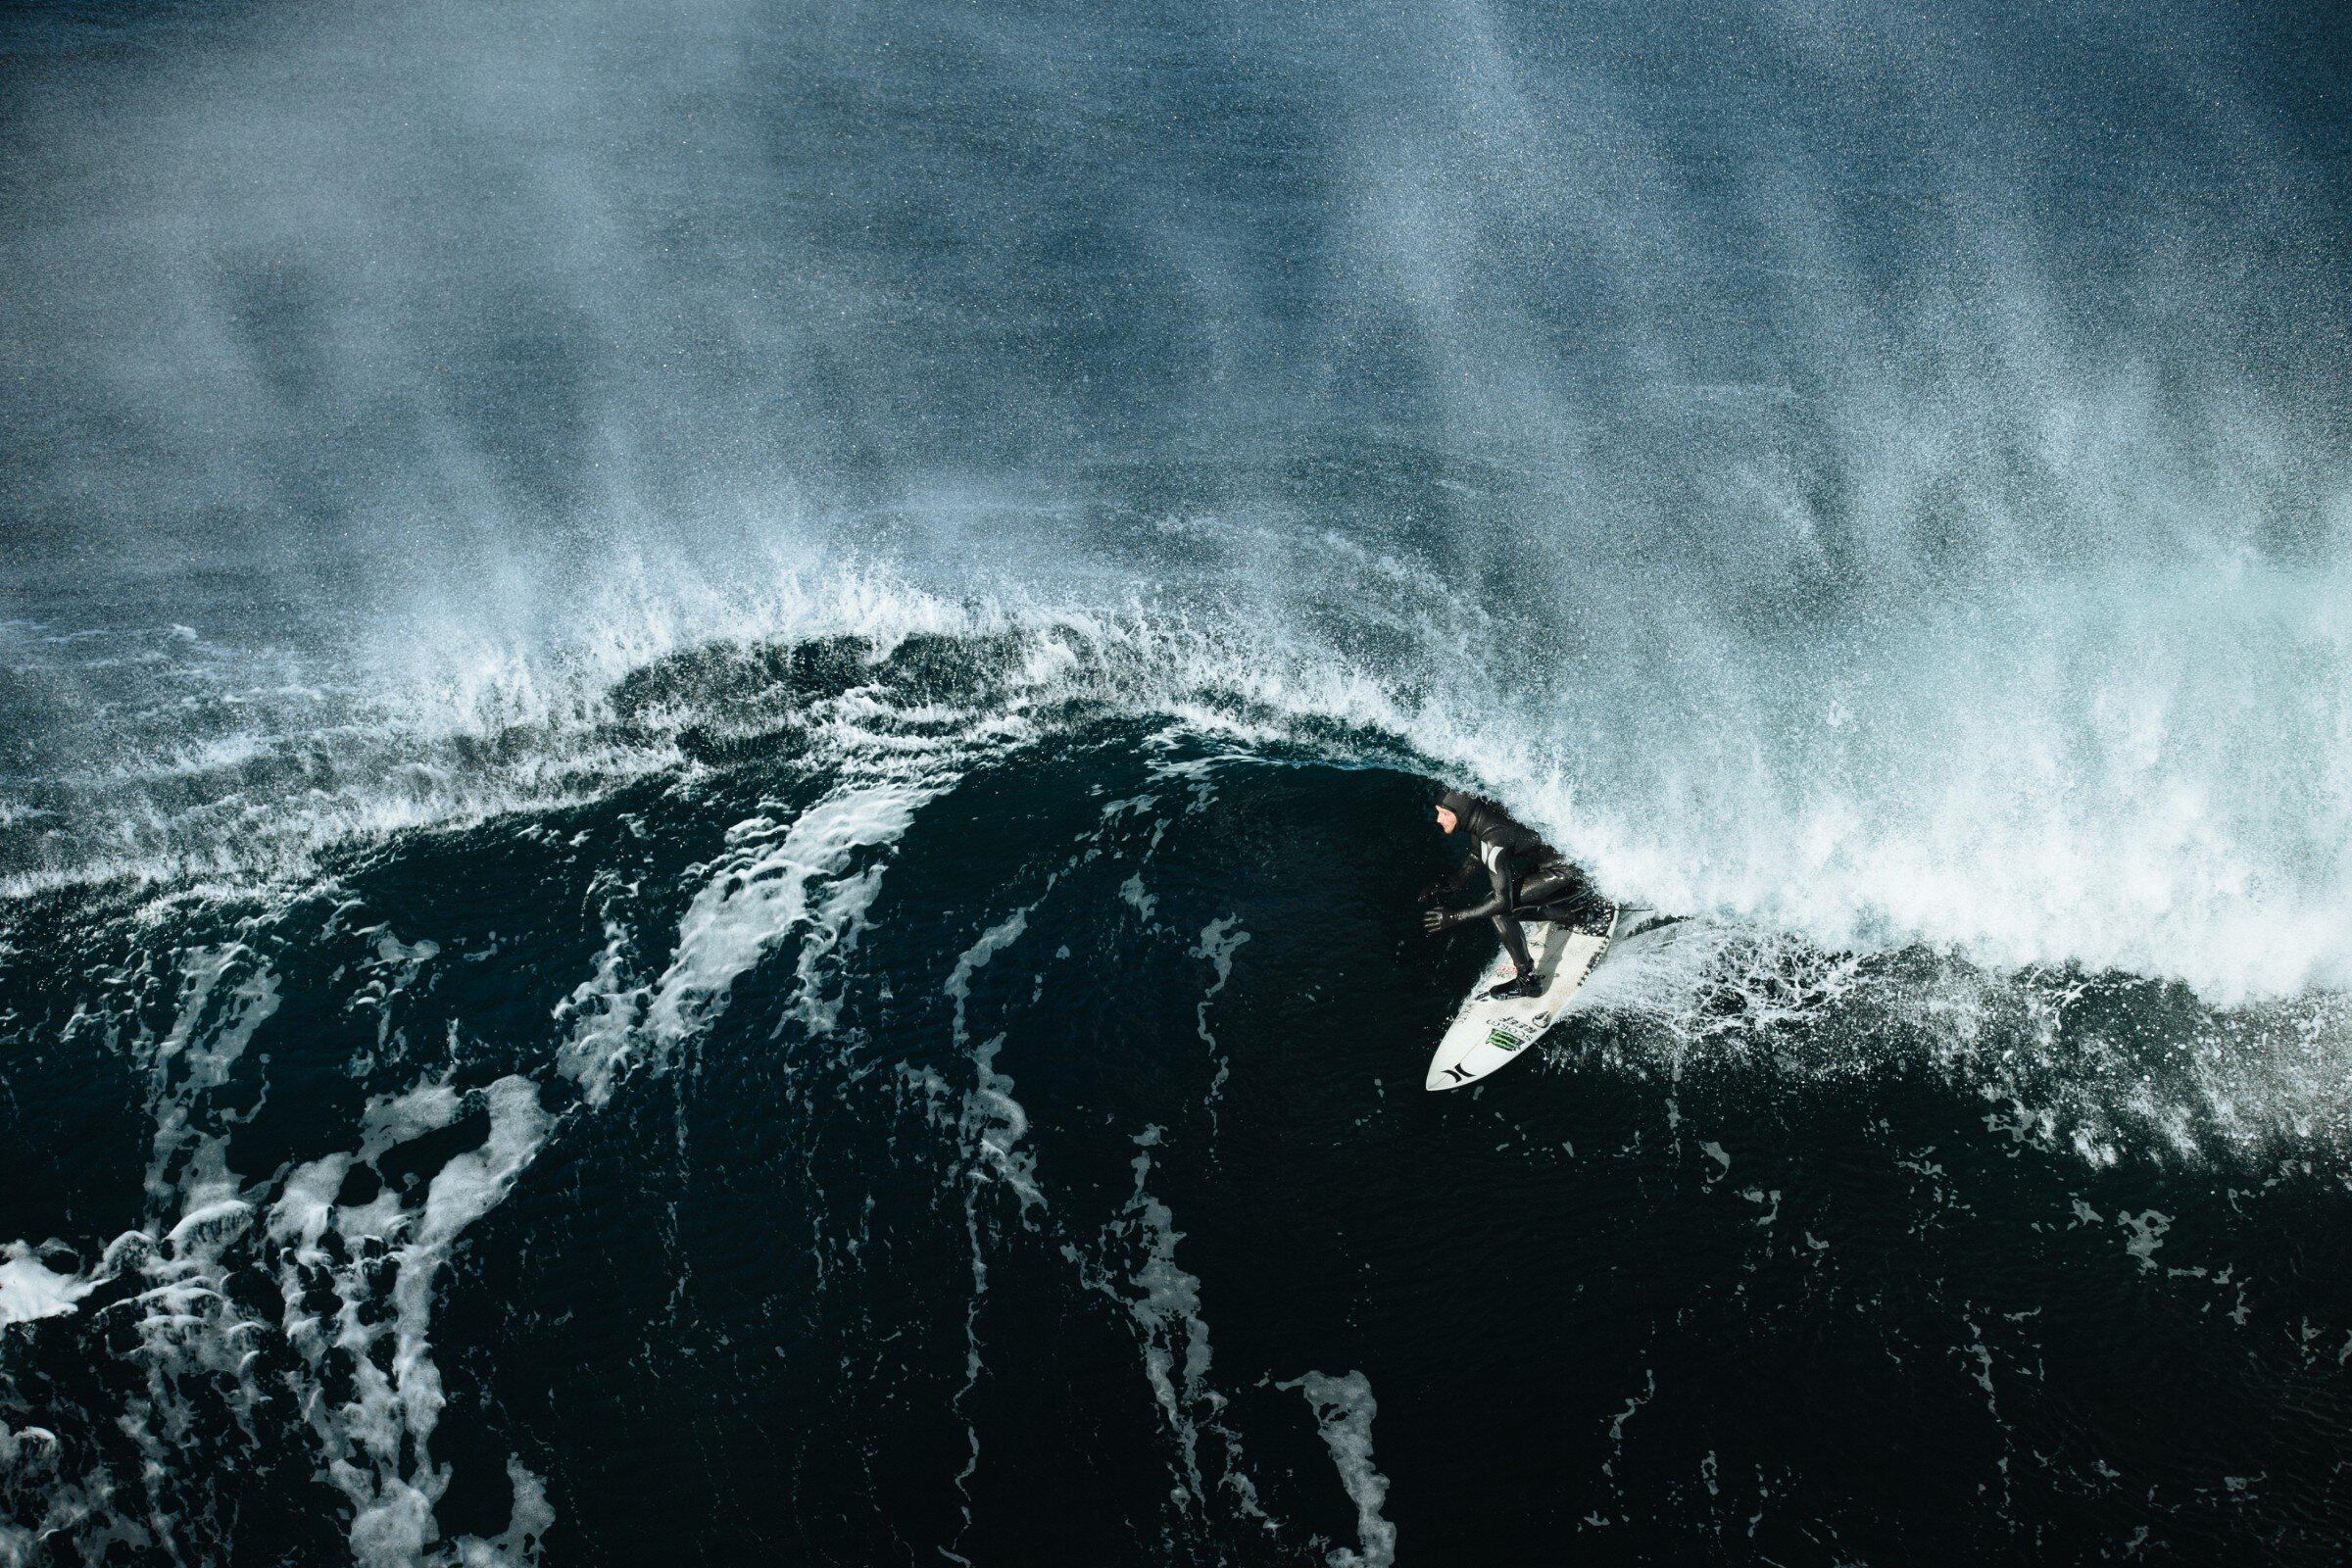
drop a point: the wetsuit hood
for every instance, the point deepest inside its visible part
(1474, 814)
(1487, 822)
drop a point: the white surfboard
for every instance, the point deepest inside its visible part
(1488, 1034)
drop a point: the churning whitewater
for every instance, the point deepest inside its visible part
(716, 733)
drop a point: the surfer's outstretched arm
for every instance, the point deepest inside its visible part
(1514, 940)
(1497, 901)
(1495, 905)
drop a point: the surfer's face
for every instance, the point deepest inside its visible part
(1446, 820)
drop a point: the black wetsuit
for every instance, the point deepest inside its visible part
(1528, 879)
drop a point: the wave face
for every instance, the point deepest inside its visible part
(714, 721)
(933, 1120)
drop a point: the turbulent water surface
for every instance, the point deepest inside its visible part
(715, 729)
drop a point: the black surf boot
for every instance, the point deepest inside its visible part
(1522, 984)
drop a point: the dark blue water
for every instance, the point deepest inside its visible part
(715, 725)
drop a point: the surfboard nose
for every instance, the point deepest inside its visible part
(1453, 1077)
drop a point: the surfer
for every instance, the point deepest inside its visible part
(1527, 880)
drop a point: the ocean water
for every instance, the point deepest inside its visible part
(715, 729)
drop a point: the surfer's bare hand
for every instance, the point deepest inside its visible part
(1436, 921)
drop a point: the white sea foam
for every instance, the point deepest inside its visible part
(2239, 1084)
(1136, 1267)
(1343, 1409)
(992, 1122)
(201, 1224)
(764, 889)
(1220, 938)
(1166, 1308)
(374, 1443)
(204, 1043)
(780, 874)
(31, 1289)
(990, 1125)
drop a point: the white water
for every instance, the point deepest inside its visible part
(1343, 1409)
(2157, 779)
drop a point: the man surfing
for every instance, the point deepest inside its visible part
(1527, 880)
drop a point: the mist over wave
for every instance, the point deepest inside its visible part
(1814, 461)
